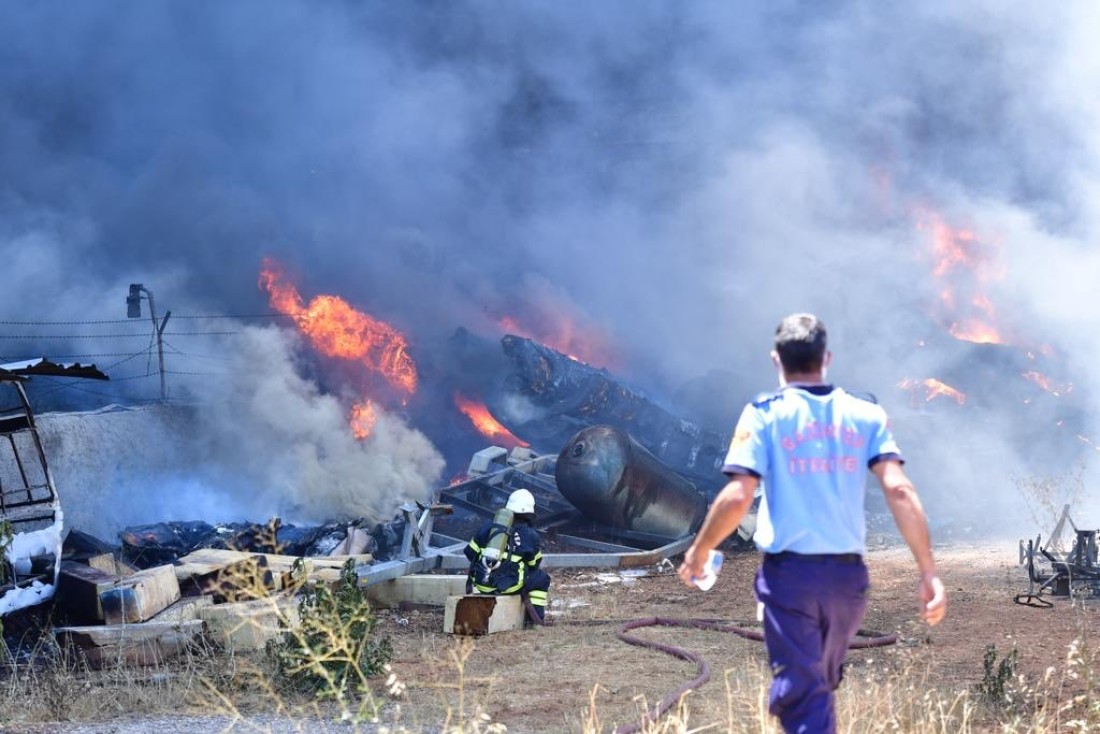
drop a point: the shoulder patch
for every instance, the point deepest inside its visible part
(766, 397)
(869, 397)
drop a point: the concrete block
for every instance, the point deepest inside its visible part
(520, 455)
(149, 643)
(248, 625)
(319, 569)
(138, 597)
(240, 577)
(491, 459)
(483, 614)
(184, 610)
(417, 588)
(356, 543)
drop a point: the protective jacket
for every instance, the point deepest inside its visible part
(520, 560)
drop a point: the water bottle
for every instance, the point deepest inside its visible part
(710, 571)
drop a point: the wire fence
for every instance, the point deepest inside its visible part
(135, 374)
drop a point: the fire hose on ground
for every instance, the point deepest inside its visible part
(864, 639)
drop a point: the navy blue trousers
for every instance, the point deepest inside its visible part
(813, 606)
(536, 586)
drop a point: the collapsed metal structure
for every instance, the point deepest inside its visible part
(563, 396)
(30, 514)
(604, 501)
(611, 498)
(436, 534)
(627, 485)
(1053, 570)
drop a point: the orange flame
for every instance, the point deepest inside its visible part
(972, 331)
(1047, 384)
(485, 423)
(338, 330)
(965, 266)
(362, 419)
(574, 342)
(933, 388)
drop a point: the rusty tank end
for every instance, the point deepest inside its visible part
(614, 481)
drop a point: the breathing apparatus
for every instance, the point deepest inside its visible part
(520, 502)
(495, 550)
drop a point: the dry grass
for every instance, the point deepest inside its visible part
(882, 701)
(875, 699)
(51, 684)
(571, 678)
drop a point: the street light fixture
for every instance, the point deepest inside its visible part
(133, 311)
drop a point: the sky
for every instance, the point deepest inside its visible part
(665, 180)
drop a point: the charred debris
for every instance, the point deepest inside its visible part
(545, 398)
(629, 487)
(603, 461)
(168, 584)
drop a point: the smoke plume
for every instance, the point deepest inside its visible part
(263, 442)
(672, 177)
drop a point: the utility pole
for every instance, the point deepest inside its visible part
(133, 311)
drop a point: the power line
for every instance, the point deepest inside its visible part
(235, 316)
(211, 357)
(122, 361)
(65, 323)
(129, 321)
(133, 377)
(142, 335)
(49, 387)
(202, 374)
(30, 337)
(79, 386)
(76, 356)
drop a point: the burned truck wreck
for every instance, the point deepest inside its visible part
(30, 513)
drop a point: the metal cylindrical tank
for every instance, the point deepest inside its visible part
(615, 481)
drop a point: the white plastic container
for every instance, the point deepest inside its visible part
(710, 571)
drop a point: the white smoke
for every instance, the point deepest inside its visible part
(260, 442)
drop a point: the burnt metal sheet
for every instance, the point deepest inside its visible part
(45, 368)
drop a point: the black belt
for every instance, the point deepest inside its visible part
(843, 558)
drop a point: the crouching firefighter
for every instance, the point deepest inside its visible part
(505, 556)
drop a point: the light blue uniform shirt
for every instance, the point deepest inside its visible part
(812, 447)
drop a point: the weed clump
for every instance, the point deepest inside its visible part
(333, 651)
(995, 686)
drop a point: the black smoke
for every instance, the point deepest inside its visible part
(674, 176)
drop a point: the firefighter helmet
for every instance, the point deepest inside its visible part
(521, 502)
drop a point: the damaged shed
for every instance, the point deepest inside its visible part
(30, 515)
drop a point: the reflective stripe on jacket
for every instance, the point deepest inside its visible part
(508, 576)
